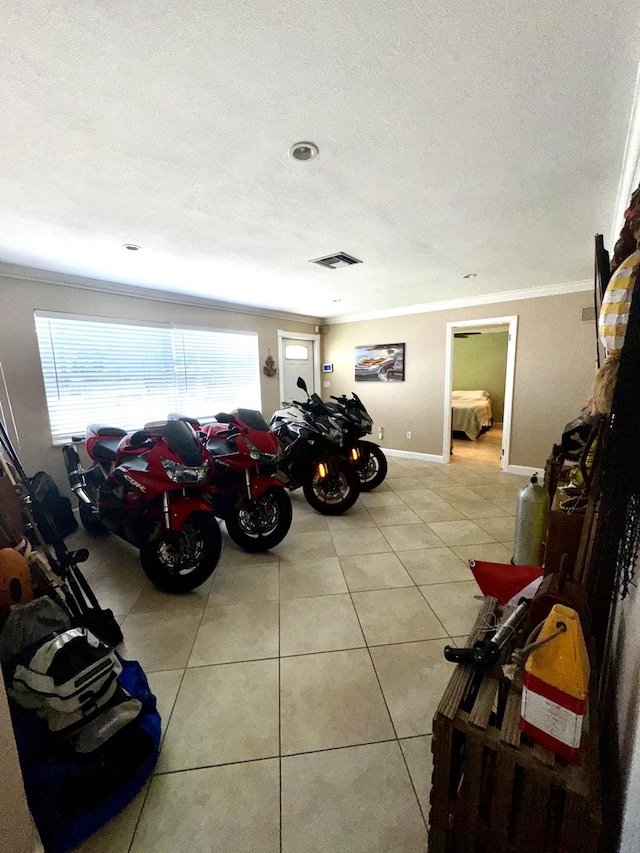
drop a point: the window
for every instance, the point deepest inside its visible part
(127, 374)
(296, 352)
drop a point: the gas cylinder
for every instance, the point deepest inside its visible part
(532, 518)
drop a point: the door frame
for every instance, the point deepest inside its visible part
(300, 336)
(512, 323)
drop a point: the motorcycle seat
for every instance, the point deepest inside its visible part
(106, 448)
(106, 431)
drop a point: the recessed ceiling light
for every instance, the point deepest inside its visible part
(132, 247)
(470, 275)
(304, 151)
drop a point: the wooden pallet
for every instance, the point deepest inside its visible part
(492, 788)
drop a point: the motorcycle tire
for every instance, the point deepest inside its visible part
(91, 522)
(261, 524)
(181, 560)
(335, 493)
(372, 467)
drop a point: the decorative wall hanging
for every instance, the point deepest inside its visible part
(269, 368)
(380, 363)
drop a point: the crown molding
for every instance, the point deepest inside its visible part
(449, 304)
(630, 171)
(37, 276)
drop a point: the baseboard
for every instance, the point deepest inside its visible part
(522, 470)
(408, 454)
(526, 471)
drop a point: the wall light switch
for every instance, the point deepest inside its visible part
(326, 384)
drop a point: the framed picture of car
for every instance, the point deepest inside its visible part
(380, 363)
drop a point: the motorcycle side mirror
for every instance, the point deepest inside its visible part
(302, 384)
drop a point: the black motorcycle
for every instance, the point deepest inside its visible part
(354, 421)
(313, 457)
(368, 458)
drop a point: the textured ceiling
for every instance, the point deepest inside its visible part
(482, 137)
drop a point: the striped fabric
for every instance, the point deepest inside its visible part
(614, 311)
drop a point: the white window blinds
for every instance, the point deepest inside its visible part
(126, 374)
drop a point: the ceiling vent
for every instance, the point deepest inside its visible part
(337, 261)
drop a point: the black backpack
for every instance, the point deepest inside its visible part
(50, 508)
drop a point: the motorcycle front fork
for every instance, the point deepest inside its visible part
(166, 515)
(324, 467)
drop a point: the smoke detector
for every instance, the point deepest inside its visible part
(304, 151)
(337, 261)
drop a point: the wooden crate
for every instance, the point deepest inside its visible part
(493, 790)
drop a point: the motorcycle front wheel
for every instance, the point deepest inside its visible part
(371, 467)
(260, 524)
(181, 560)
(334, 493)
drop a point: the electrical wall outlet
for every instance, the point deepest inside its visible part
(380, 433)
(408, 433)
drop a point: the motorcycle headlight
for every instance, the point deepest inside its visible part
(185, 474)
(260, 456)
(331, 430)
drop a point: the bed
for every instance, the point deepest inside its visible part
(471, 412)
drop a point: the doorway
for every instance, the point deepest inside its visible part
(299, 355)
(466, 328)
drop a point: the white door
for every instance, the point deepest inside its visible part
(297, 360)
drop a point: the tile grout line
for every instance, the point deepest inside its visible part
(279, 711)
(384, 699)
(163, 734)
(288, 755)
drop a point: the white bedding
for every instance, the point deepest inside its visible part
(471, 412)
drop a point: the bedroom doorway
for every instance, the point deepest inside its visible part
(473, 412)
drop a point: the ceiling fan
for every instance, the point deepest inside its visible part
(465, 334)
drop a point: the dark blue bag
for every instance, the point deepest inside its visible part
(72, 795)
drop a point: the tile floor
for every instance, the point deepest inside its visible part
(297, 687)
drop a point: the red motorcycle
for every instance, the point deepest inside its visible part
(150, 487)
(244, 488)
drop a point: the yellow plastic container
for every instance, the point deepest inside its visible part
(556, 685)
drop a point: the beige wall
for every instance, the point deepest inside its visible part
(554, 363)
(17, 831)
(21, 363)
(480, 363)
(554, 371)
